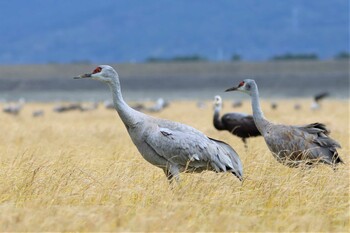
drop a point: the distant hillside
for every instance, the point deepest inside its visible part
(39, 31)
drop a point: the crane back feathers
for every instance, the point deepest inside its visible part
(294, 145)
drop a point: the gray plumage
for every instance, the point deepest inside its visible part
(292, 145)
(65, 108)
(171, 146)
(38, 113)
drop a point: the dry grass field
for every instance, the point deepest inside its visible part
(79, 171)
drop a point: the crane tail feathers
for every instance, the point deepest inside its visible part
(236, 166)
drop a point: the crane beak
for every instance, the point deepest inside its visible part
(82, 76)
(231, 89)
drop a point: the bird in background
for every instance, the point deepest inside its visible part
(14, 108)
(239, 124)
(316, 103)
(38, 113)
(237, 103)
(171, 146)
(274, 105)
(292, 145)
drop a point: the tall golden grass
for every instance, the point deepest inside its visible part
(80, 172)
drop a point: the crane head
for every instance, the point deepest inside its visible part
(245, 86)
(217, 100)
(104, 73)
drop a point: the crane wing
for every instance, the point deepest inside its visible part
(238, 119)
(234, 117)
(240, 123)
(297, 143)
(193, 151)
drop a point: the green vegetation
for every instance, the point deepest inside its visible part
(342, 55)
(291, 56)
(236, 57)
(189, 58)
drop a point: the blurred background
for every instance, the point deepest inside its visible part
(173, 49)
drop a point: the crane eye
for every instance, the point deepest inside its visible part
(241, 84)
(97, 70)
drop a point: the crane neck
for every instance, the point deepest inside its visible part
(217, 109)
(128, 115)
(258, 115)
(216, 120)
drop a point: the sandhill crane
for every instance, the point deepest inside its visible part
(239, 124)
(66, 108)
(14, 108)
(292, 145)
(317, 98)
(171, 146)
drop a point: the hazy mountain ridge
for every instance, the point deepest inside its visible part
(40, 31)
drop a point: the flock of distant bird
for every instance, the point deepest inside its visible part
(14, 108)
(176, 147)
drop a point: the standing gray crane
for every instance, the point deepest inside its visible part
(292, 145)
(239, 124)
(171, 146)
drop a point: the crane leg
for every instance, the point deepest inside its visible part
(172, 174)
(245, 143)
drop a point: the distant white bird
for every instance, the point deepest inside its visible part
(292, 145)
(171, 146)
(14, 108)
(158, 106)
